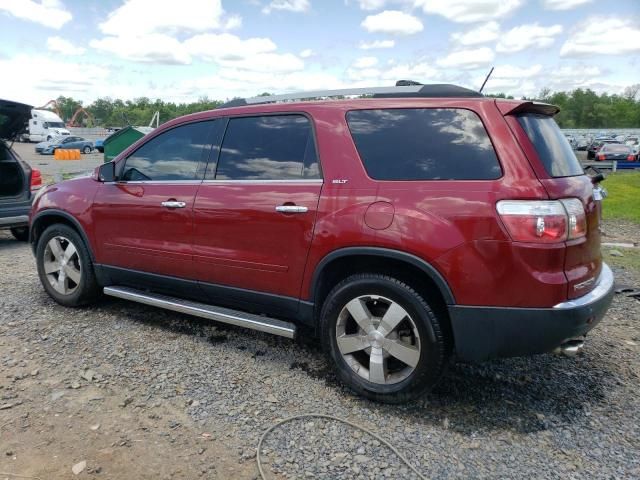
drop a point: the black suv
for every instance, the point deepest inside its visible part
(17, 179)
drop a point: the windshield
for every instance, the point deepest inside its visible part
(553, 149)
(612, 147)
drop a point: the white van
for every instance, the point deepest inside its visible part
(44, 125)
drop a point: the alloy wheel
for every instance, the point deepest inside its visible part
(62, 265)
(378, 339)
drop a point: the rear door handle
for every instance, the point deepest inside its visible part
(173, 204)
(291, 209)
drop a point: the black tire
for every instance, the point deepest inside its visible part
(87, 289)
(86, 149)
(433, 345)
(20, 233)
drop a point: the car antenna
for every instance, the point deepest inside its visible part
(485, 80)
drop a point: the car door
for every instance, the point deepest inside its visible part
(254, 214)
(143, 221)
(67, 143)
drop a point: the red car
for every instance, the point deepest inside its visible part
(419, 223)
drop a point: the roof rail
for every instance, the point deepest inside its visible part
(407, 89)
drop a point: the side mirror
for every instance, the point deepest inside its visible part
(107, 172)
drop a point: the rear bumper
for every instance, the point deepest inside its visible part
(481, 333)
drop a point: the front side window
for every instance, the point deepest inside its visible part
(272, 147)
(172, 155)
(423, 144)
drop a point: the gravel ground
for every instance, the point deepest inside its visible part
(176, 397)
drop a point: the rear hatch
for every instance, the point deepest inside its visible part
(14, 174)
(562, 176)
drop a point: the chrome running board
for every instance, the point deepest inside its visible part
(219, 314)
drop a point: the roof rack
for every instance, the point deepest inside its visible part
(403, 89)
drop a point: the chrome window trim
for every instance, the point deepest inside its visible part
(310, 181)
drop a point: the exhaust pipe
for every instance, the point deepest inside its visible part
(570, 348)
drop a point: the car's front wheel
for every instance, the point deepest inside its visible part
(383, 337)
(65, 268)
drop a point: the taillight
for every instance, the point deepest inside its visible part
(543, 221)
(630, 158)
(601, 157)
(577, 219)
(36, 179)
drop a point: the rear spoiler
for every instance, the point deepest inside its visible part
(515, 108)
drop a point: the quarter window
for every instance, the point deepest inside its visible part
(173, 155)
(275, 147)
(423, 144)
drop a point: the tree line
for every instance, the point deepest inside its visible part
(580, 108)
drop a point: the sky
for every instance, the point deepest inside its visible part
(188, 49)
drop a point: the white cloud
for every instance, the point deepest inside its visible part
(603, 35)
(149, 48)
(306, 53)
(487, 32)
(469, 10)
(365, 62)
(377, 44)
(232, 22)
(288, 5)
(146, 16)
(50, 13)
(420, 71)
(564, 4)
(60, 45)
(393, 22)
(225, 46)
(511, 71)
(528, 36)
(371, 4)
(467, 59)
(35, 85)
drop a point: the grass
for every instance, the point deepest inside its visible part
(623, 201)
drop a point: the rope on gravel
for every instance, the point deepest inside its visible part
(330, 417)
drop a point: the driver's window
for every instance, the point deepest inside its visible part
(172, 155)
(68, 140)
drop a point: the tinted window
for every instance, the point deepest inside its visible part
(172, 155)
(276, 147)
(554, 151)
(423, 144)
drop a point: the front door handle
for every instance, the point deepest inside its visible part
(173, 204)
(291, 209)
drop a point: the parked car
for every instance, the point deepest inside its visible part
(424, 222)
(99, 145)
(615, 151)
(634, 142)
(65, 143)
(18, 181)
(581, 143)
(595, 146)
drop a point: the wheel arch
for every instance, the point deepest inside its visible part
(46, 218)
(340, 260)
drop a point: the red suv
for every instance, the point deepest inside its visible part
(402, 228)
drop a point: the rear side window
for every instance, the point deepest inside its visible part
(173, 155)
(552, 147)
(423, 144)
(272, 147)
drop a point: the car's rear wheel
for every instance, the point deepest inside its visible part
(20, 233)
(86, 149)
(64, 266)
(383, 338)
